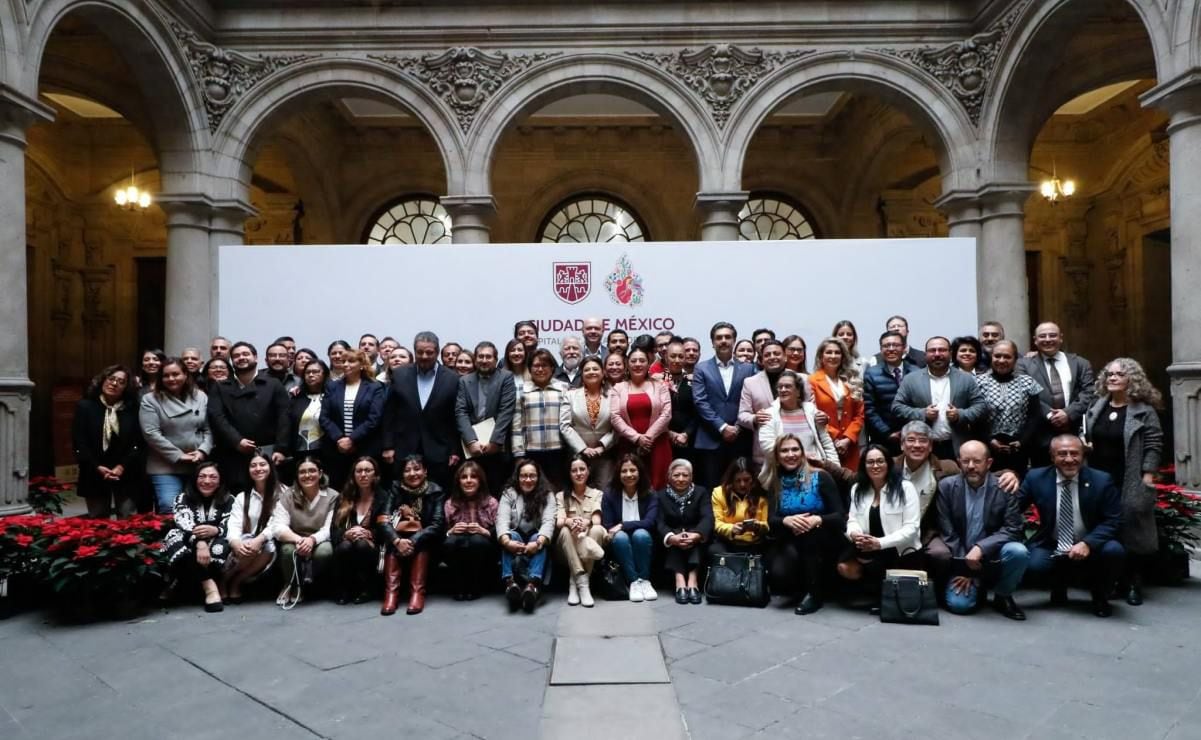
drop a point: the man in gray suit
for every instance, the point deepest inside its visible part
(944, 397)
(1068, 389)
(487, 393)
(981, 526)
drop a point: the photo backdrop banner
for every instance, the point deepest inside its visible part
(468, 293)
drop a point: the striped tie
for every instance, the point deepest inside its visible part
(1065, 522)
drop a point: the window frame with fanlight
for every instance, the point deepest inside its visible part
(572, 210)
(413, 207)
(784, 210)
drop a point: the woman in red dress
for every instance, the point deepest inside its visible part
(640, 411)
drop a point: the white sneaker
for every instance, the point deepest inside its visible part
(585, 591)
(648, 591)
(636, 591)
(573, 594)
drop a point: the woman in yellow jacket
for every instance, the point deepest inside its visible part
(739, 512)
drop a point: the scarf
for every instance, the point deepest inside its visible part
(111, 427)
(681, 499)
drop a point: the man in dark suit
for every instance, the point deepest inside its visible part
(247, 413)
(981, 528)
(900, 325)
(716, 392)
(880, 384)
(487, 393)
(1080, 513)
(1068, 388)
(420, 413)
(945, 397)
(682, 428)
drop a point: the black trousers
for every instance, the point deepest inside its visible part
(712, 464)
(498, 468)
(355, 565)
(187, 570)
(473, 559)
(794, 562)
(679, 560)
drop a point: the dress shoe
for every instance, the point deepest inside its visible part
(342, 598)
(681, 596)
(1007, 607)
(1134, 597)
(529, 598)
(1101, 608)
(362, 597)
(512, 594)
(1059, 596)
(809, 604)
(694, 596)
(215, 606)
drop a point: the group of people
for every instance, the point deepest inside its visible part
(386, 460)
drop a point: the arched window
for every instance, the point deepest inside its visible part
(592, 218)
(771, 216)
(417, 219)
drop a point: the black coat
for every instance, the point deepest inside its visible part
(125, 449)
(433, 517)
(429, 431)
(683, 410)
(258, 412)
(366, 423)
(696, 517)
(379, 507)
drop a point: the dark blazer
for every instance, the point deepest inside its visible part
(561, 376)
(914, 396)
(714, 407)
(379, 507)
(1083, 392)
(365, 432)
(1143, 437)
(648, 508)
(125, 449)
(879, 390)
(683, 409)
(696, 517)
(430, 431)
(1100, 505)
(1002, 517)
(258, 412)
(433, 516)
(913, 356)
(502, 400)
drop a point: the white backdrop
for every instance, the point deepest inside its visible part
(466, 293)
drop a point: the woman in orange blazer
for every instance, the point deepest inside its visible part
(640, 410)
(838, 391)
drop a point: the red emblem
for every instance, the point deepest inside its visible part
(573, 281)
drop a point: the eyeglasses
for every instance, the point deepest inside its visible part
(876, 463)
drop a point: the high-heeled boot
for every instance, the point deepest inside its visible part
(417, 572)
(392, 575)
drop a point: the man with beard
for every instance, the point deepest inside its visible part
(219, 349)
(248, 412)
(487, 393)
(526, 332)
(945, 397)
(717, 391)
(419, 418)
(759, 390)
(280, 367)
(594, 332)
(692, 355)
(571, 353)
(289, 344)
(450, 353)
(881, 382)
(618, 341)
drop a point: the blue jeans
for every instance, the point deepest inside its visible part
(1005, 575)
(535, 565)
(633, 552)
(166, 488)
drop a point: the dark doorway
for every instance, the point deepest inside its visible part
(1154, 350)
(1034, 291)
(152, 302)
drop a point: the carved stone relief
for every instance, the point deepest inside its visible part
(721, 73)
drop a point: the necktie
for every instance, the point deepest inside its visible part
(1065, 522)
(896, 375)
(1057, 399)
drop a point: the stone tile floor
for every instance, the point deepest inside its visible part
(470, 670)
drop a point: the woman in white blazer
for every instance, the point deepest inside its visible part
(884, 522)
(584, 422)
(788, 414)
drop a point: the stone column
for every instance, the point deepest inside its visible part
(994, 217)
(17, 113)
(1182, 99)
(719, 215)
(189, 310)
(471, 218)
(227, 228)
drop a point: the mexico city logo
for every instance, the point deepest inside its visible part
(573, 281)
(624, 285)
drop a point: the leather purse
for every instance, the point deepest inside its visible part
(907, 597)
(737, 579)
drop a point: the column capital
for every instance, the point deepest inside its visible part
(478, 205)
(198, 211)
(993, 200)
(1179, 96)
(716, 202)
(719, 214)
(18, 112)
(470, 217)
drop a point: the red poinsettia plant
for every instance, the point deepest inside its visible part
(100, 557)
(46, 494)
(18, 557)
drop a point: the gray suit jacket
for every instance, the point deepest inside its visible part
(914, 396)
(1083, 391)
(1002, 517)
(502, 400)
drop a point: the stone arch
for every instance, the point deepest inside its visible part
(178, 131)
(13, 19)
(1012, 117)
(645, 203)
(817, 207)
(574, 74)
(928, 104)
(282, 92)
(365, 204)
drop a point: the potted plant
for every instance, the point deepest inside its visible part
(20, 563)
(1177, 514)
(46, 494)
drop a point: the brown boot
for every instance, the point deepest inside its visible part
(417, 570)
(391, 584)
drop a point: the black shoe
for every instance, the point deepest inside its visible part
(512, 594)
(235, 600)
(694, 596)
(363, 597)
(460, 597)
(216, 606)
(470, 596)
(1059, 596)
(1007, 607)
(529, 598)
(342, 599)
(1134, 597)
(809, 604)
(1101, 608)
(681, 596)
(875, 610)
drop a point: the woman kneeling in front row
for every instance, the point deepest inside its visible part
(352, 534)
(630, 512)
(740, 509)
(410, 528)
(882, 526)
(252, 528)
(581, 536)
(685, 524)
(195, 548)
(302, 522)
(525, 524)
(470, 544)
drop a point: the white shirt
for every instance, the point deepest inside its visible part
(726, 371)
(282, 518)
(837, 389)
(629, 508)
(940, 396)
(240, 527)
(1065, 375)
(1078, 533)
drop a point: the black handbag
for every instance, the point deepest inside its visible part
(907, 597)
(737, 579)
(608, 582)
